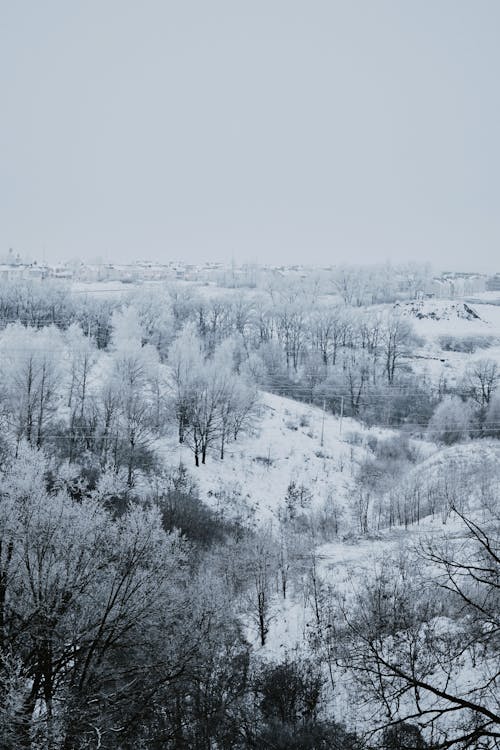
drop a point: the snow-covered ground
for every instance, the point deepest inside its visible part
(286, 447)
(435, 320)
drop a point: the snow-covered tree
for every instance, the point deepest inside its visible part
(86, 603)
(31, 371)
(451, 421)
(419, 637)
(491, 424)
(481, 380)
(186, 361)
(396, 337)
(82, 356)
(155, 316)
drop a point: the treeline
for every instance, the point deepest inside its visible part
(292, 340)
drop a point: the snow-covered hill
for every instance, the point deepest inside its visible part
(253, 479)
(453, 334)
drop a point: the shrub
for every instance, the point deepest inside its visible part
(451, 421)
(466, 344)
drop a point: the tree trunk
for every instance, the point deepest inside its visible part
(262, 620)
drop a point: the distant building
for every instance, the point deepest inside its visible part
(37, 271)
(11, 259)
(11, 272)
(60, 272)
(493, 283)
(452, 285)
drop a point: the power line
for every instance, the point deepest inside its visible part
(390, 427)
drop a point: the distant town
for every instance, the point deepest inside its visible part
(13, 266)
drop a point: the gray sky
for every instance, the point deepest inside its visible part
(268, 130)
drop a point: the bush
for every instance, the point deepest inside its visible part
(491, 424)
(395, 447)
(403, 736)
(182, 509)
(409, 401)
(451, 421)
(314, 736)
(289, 695)
(288, 692)
(354, 438)
(466, 344)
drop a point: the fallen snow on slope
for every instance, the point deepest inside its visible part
(252, 480)
(438, 310)
(434, 320)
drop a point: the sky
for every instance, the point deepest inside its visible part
(270, 131)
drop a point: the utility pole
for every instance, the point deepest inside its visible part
(323, 423)
(341, 413)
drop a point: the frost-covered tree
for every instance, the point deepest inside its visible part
(420, 638)
(481, 380)
(186, 360)
(207, 408)
(491, 424)
(396, 337)
(94, 314)
(82, 356)
(291, 330)
(238, 401)
(31, 371)
(80, 361)
(128, 398)
(97, 614)
(155, 316)
(260, 564)
(451, 421)
(351, 284)
(327, 326)
(133, 379)
(126, 328)
(35, 304)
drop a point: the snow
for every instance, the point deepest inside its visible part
(433, 319)
(253, 478)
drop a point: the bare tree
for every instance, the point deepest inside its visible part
(481, 380)
(291, 328)
(396, 337)
(31, 371)
(260, 568)
(414, 631)
(186, 363)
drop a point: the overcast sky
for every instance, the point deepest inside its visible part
(268, 130)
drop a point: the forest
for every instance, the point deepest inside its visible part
(138, 611)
